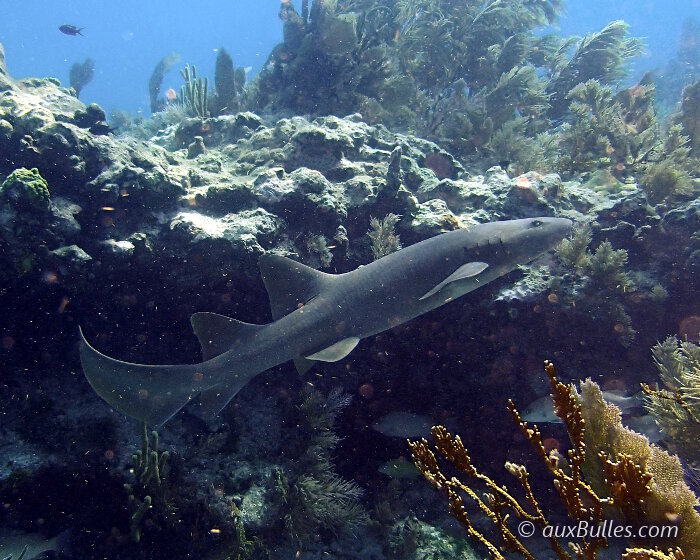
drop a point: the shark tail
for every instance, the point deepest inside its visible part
(150, 393)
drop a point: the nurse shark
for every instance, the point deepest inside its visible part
(319, 316)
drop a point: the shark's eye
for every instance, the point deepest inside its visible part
(536, 223)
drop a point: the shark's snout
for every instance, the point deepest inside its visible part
(562, 225)
(529, 237)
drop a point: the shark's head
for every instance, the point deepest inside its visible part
(488, 251)
(523, 240)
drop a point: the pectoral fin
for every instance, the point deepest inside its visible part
(336, 351)
(468, 270)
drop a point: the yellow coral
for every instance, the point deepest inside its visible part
(645, 554)
(669, 499)
(633, 479)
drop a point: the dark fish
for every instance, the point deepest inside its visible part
(71, 30)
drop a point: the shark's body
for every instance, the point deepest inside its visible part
(320, 317)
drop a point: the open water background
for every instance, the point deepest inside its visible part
(128, 38)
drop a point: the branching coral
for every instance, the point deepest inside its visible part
(518, 91)
(591, 281)
(455, 72)
(319, 498)
(618, 130)
(81, 74)
(150, 469)
(511, 143)
(656, 554)
(606, 267)
(610, 471)
(326, 64)
(572, 251)
(676, 405)
(669, 167)
(195, 92)
(664, 179)
(316, 251)
(599, 56)
(690, 116)
(669, 497)
(384, 238)
(443, 41)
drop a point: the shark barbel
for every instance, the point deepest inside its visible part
(319, 316)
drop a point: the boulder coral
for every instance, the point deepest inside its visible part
(25, 189)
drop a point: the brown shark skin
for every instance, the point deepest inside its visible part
(315, 311)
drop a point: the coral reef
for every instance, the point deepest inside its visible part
(663, 180)
(463, 75)
(594, 283)
(674, 404)
(413, 539)
(610, 471)
(598, 56)
(26, 216)
(150, 468)
(617, 130)
(456, 113)
(323, 66)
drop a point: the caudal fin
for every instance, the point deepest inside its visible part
(152, 394)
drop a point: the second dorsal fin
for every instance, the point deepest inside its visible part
(290, 284)
(216, 333)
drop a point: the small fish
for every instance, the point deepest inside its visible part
(403, 425)
(400, 469)
(71, 30)
(542, 409)
(645, 425)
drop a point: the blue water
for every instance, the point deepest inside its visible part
(128, 38)
(658, 22)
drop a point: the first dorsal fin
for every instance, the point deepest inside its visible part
(216, 333)
(290, 284)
